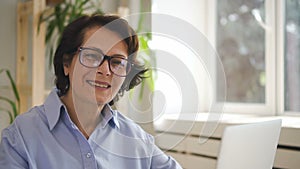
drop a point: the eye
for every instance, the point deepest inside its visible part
(91, 56)
(118, 62)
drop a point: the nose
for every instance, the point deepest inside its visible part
(103, 69)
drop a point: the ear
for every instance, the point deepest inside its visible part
(66, 69)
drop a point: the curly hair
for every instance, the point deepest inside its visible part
(73, 37)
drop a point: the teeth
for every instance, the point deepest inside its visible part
(98, 85)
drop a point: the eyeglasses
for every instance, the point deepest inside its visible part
(92, 58)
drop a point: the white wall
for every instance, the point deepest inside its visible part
(8, 50)
(8, 36)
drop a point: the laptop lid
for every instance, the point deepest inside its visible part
(249, 146)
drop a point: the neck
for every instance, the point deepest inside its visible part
(84, 114)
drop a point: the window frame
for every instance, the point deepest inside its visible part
(280, 45)
(280, 24)
(269, 107)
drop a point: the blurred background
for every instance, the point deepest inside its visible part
(257, 43)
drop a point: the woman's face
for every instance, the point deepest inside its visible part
(96, 85)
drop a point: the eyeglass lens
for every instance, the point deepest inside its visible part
(93, 58)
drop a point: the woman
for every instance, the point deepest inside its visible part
(94, 63)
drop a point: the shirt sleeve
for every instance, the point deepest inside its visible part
(10, 154)
(162, 161)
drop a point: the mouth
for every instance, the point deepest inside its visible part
(99, 84)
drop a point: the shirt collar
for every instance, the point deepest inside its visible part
(108, 114)
(54, 106)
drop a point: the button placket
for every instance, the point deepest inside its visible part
(88, 155)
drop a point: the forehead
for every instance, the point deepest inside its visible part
(104, 39)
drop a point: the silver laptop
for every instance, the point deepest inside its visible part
(249, 146)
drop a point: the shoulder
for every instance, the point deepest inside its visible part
(26, 123)
(132, 129)
(20, 136)
(126, 138)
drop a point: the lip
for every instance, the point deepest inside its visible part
(98, 84)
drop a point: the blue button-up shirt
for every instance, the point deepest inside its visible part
(46, 138)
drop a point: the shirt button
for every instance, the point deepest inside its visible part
(88, 155)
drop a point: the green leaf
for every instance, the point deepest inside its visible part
(151, 83)
(50, 30)
(99, 11)
(141, 94)
(16, 94)
(81, 5)
(59, 20)
(13, 85)
(51, 56)
(64, 15)
(39, 23)
(12, 104)
(11, 118)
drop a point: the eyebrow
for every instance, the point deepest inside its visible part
(94, 48)
(118, 55)
(99, 50)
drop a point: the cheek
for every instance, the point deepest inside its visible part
(117, 83)
(79, 76)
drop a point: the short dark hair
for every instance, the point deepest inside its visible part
(73, 37)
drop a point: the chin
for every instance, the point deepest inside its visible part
(102, 102)
(104, 99)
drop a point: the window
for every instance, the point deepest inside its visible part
(245, 40)
(241, 45)
(292, 56)
(258, 42)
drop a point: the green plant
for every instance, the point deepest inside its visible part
(148, 59)
(14, 105)
(60, 15)
(146, 55)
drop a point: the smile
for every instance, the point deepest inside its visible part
(98, 84)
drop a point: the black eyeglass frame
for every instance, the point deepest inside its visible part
(105, 57)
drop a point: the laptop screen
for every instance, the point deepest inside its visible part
(249, 146)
